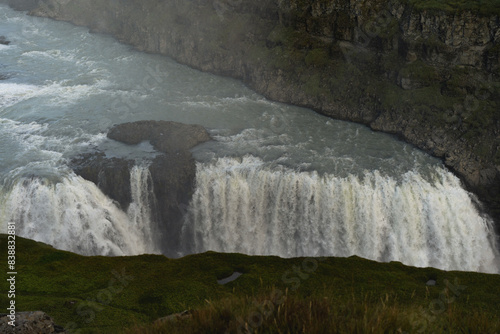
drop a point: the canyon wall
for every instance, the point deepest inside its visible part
(428, 75)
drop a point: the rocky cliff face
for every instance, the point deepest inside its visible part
(429, 75)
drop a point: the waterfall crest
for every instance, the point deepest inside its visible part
(243, 206)
(73, 214)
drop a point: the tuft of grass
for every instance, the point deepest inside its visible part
(320, 315)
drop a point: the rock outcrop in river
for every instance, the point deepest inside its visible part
(427, 73)
(173, 173)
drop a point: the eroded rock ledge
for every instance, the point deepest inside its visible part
(430, 76)
(173, 173)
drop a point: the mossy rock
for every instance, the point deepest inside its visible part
(418, 74)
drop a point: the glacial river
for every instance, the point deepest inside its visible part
(277, 179)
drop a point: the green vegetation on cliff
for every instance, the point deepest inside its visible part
(274, 295)
(484, 7)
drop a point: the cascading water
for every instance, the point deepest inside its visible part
(140, 210)
(242, 206)
(75, 215)
(277, 179)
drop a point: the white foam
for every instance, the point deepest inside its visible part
(57, 93)
(11, 93)
(241, 206)
(75, 215)
(34, 140)
(220, 104)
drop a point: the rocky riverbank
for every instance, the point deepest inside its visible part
(427, 74)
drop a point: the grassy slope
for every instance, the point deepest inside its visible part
(84, 292)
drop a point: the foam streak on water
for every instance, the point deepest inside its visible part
(242, 206)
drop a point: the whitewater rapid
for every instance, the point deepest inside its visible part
(73, 214)
(242, 206)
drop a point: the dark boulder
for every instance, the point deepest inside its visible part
(173, 178)
(111, 175)
(4, 41)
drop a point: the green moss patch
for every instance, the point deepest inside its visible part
(420, 73)
(483, 7)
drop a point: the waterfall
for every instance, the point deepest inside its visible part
(140, 211)
(64, 87)
(73, 214)
(243, 206)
